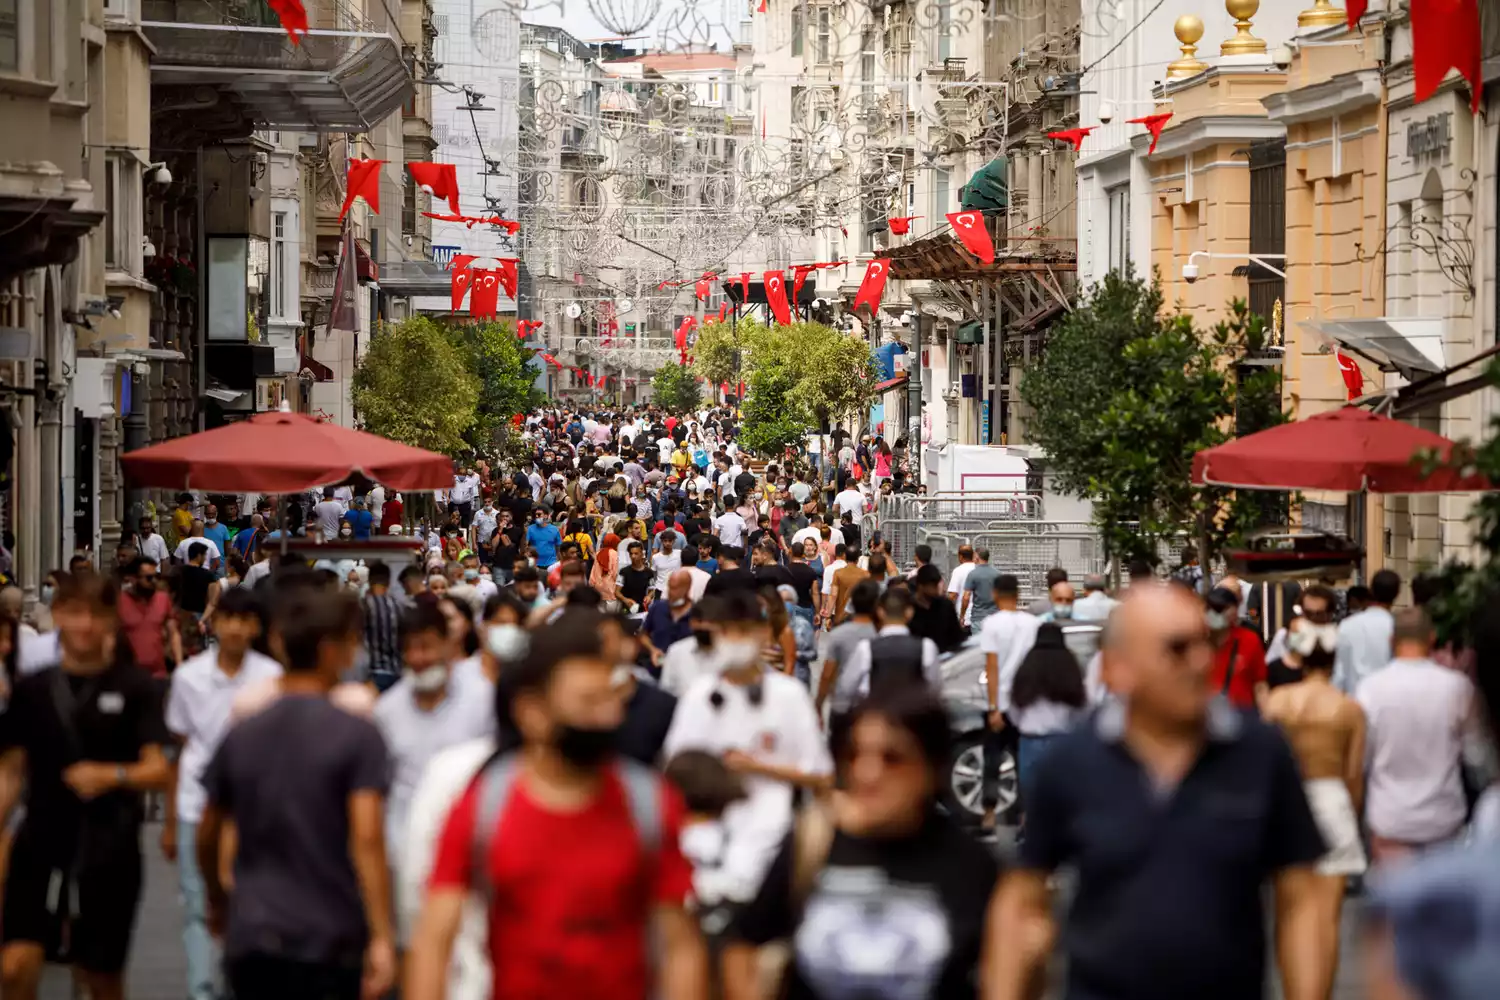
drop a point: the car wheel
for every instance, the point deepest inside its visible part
(964, 793)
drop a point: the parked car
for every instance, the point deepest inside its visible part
(967, 699)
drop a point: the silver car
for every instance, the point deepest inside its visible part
(966, 697)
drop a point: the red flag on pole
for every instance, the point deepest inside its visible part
(776, 296)
(1072, 136)
(901, 224)
(799, 276)
(701, 289)
(1154, 124)
(362, 181)
(462, 278)
(441, 179)
(459, 261)
(1354, 379)
(293, 17)
(1445, 35)
(745, 287)
(485, 300)
(873, 285)
(508, 275)
(974, 233)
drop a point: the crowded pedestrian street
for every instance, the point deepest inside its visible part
(749, 500)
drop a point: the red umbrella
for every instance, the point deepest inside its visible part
(284, 453)
(1343, 451)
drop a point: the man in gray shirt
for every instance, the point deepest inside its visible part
(979, 592)
(839, 648)
(327, 515)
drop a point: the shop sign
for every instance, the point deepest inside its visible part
(1429, 137)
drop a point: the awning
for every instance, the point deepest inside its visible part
(989, 188)
(331, 81)
(321, 372)
(891, 383)
(1411, 346)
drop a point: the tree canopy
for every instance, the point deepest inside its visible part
(675, 387)
(507, 383)
(414, 385)
(1125, 394)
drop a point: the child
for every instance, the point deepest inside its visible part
(708, 787)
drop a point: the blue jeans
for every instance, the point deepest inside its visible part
(1029, 753)
(202, 953)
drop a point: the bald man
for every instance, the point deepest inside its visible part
(669, 618)
(1175, 808)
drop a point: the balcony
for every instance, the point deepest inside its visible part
(345, 76)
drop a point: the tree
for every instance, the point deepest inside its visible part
(809, 373)
(717, 344)
(1123, 397)
(507, 382)
(770, 421)
(675, 388)
(413, 385)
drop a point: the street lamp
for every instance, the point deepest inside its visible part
(1190, 270)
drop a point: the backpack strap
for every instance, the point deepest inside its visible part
(643, 796)
(494, 786)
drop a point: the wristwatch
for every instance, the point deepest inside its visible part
(122, 776)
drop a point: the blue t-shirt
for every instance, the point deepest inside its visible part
(360, 521)
(545, 538)
(709, 566)
(218, 534)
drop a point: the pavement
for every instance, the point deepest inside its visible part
(157, 971)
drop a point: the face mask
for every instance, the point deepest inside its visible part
(1062, 611)
(428, 681)
(585, 747)
(734, 654)
(46, 594)
(211, 521)
(1217, 620)
(506, 642)
(1311, 638)
(345, 532)
(471, 576)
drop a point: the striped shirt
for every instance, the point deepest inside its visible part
(382, 637)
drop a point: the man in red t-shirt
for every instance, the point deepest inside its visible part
(573, 887)
(1239, 657)
(147, 620)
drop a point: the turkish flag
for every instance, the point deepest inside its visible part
(1354, 379)
(362, 181)
(901, 224)
(776, 296)
(723, 311)
(293, 18)
(1445, 35)
(1356, 10)
(701, 288)
(439, 178)
(508, 275)
(799, 276)
(873, 285)
(459, 261)
(462, 278)
(745, 287)
(974, 233)
(1072, 136)
(1154, 124)
(486, 298)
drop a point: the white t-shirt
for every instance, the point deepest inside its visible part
(828, 572)
(851, 501)
(182, 549)
(377, 504)
(198, 711)
(783, 730)
(665, 446)
(665, 565)
(1010, 636)
(803, 534)
(699, 584)
(682, 665)
(155, 547)
(327, 514)
(958, 579)
(731, 528)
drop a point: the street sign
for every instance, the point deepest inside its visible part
(984, 421)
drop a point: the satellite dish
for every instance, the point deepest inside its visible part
(574, 310)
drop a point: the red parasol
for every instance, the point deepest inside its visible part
(284, 453)
(1343, 451)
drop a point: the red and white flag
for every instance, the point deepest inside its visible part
(974, 233)
(362, 181)
(873, 285)
(484, 301)
(776, 296)
(1354, 379)
(440, 179)
(463, 277)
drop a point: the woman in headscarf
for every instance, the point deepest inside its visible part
(606, 571)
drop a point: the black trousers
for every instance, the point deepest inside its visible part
(270, 977)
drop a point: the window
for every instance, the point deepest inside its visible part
(944, 29)
(112, 249)
(1119, 227)
(10, 34)
(872, 221)
(941, 192)
(409, 208)
(799, 26)
(409, 57)
(825, 35)
(127, 9)
(122, 178)
(867, 68)
(276, 298)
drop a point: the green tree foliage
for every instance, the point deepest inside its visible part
(414, 385)
(1123, 397)
(714, 350)
(810, 373)
(675, 388)
(507, 383)
(770, 421)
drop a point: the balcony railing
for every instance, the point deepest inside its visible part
(346, 75)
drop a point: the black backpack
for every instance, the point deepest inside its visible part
(896, 660)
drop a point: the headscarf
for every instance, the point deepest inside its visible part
(610, 541)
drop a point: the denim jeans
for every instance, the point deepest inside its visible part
(1029, 753)
(202, 953)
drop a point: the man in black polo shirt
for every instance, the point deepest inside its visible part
(1175, 808)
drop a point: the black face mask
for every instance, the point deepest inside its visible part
(704, 636)
(584, 747)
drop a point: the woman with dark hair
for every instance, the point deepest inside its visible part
(1046, 698)
(882, 863)
(780, 652)
(460, 627)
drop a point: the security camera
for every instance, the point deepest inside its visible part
(1106, 112)
(1281, 55)
(1190, 273)
(161, 175)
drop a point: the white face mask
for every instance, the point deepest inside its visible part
(735, 654)
(429, 681)
(1309, 637)
(506, 642)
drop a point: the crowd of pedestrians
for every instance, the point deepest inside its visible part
(647, 717)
